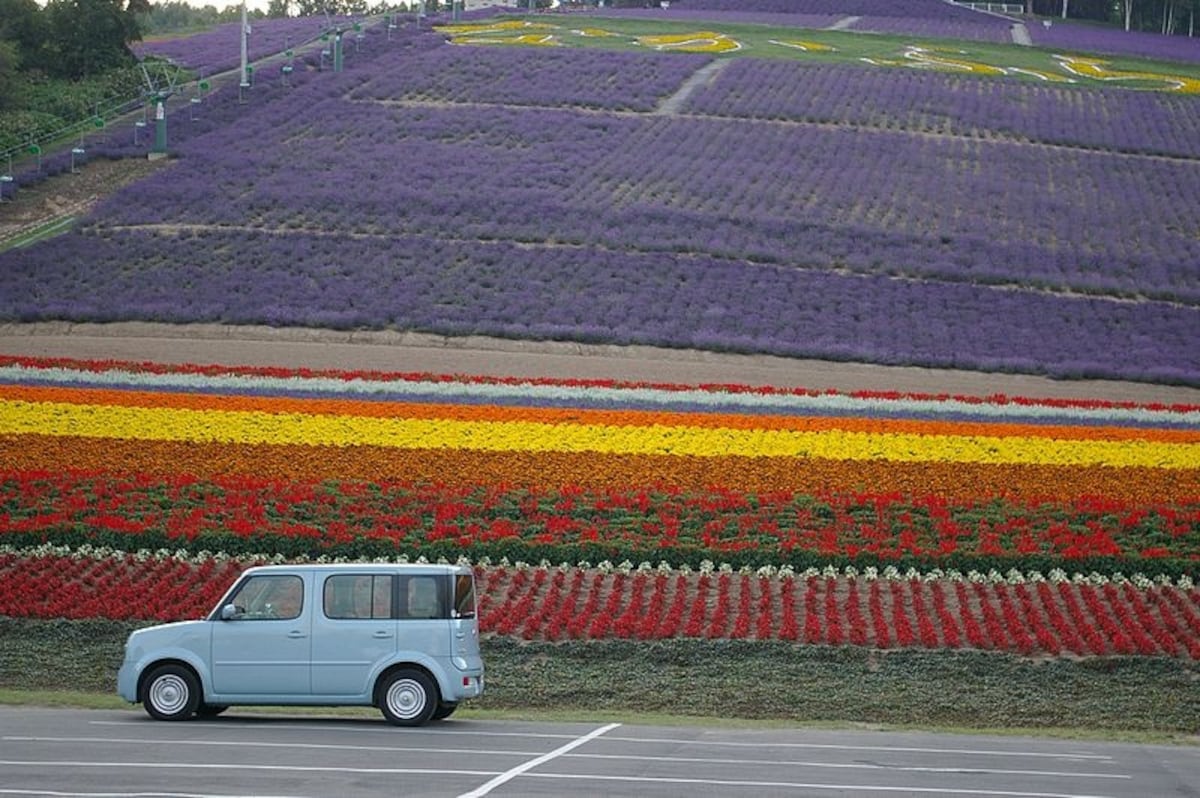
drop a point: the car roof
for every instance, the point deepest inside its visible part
(362, 567)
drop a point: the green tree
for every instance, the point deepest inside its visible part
(176, 15)
(316, 8)
(88, 37)
(9, 80)
(22, 24)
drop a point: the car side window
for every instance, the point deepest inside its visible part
(358, 596)
(464, 596)
(264, 598)
(420, 597)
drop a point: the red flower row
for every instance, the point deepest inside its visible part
(1037, 618)
(885, 526)
(152, 589)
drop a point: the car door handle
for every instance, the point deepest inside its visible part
(381, 635)
(296, 634)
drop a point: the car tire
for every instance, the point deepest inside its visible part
(172, 692)
(443, 711)
(407, 697)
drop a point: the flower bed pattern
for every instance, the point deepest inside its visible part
(916, 17)
(775, 483)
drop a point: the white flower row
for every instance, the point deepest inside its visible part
(890, 572)
(450, 390)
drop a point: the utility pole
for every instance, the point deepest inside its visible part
(244, 82)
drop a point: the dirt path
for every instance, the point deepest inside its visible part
(414, 352)
(69, 194)
(702, 76)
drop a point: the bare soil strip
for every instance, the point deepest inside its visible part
(389, 350)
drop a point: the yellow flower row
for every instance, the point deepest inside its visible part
(248, 427)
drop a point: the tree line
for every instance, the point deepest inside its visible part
(69, 39)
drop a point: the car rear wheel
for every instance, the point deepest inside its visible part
(407, 697)
(172, 693)
(444, 711)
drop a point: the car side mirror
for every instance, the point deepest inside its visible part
(230, 611)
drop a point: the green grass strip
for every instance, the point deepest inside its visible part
(828, 46)
(1146, 698)
(48, 230)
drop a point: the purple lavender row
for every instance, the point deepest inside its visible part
(1152, 123)
(575, 77)
(590, 296)
(1078, 37)
(869, 201)
(981, 29)
(219, 49)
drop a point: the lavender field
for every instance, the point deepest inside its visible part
(219, 49)
(1145, 122)
(844, 213)
(1074, 36)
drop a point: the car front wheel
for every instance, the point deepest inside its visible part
(407, 698)
(172, 693)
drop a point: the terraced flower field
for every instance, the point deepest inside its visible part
(1006, 523)
(811, 201)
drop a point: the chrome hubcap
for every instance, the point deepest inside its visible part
(406, 698)
(169, 694)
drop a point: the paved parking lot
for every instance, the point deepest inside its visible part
(65, 752)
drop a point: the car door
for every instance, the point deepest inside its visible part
(423, 611)
(354, 629)
(264, 647)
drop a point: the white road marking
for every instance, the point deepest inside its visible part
(855, 789)
(760, 744)
(884, 748)
(392, 749)
(374, 728)
(860, 766)
(491, 752)
(523, 771)
(61, 794)
(234, 766)
(511, 774)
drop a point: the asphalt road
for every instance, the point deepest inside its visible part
(67, 752)
(476, 355)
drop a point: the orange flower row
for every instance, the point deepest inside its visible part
(954, 481)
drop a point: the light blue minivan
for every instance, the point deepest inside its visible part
(401, 637)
